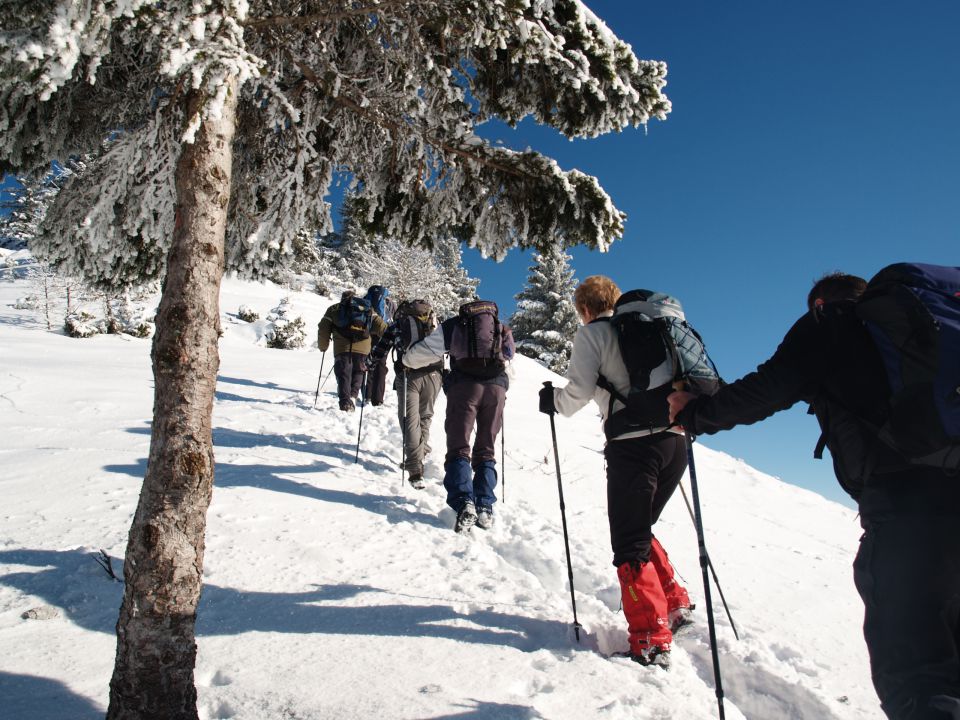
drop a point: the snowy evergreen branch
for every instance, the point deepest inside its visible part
(389, 92)
(301, 21)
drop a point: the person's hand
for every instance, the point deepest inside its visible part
(546, 400)
(368, 363)
(678, 401)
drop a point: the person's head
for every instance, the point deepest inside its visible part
(346, 295)
(595, 296)
(833, 287)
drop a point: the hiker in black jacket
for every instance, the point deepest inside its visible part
(907, 569)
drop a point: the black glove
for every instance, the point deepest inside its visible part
(368, 363)
(546, 400)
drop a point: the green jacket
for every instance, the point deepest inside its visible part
(327, 329)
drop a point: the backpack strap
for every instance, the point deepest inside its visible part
(671, 343)
(602, 381)
(822, 440)
(446, 327)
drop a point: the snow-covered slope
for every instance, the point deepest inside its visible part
(333, 592)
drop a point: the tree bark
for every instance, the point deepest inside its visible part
(156, 647)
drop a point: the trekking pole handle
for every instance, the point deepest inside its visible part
(549, 384)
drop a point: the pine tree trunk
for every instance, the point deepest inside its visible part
(156, 648)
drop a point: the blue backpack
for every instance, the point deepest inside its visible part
(912, 312)
(377, 296)
(354, 319)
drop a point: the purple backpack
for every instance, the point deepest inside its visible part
(476, 342)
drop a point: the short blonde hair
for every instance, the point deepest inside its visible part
(597, 293)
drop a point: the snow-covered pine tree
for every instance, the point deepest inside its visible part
(286, 331)
(546, 319)
(26, 202)
(409, 273)
(329, 267)
(365, 257)
(355, 257)
(229, 119)
(457, 287)
(307, 252)
(24, 208)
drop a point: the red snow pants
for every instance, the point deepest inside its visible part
(675, 593)
(645, 607)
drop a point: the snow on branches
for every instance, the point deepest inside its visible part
(388, 93)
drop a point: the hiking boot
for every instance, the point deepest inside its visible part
(347, 406)
(655, 655)
(485, 518)
(681, 618)
(417, 482)
(466, 518)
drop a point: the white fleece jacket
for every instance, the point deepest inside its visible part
(595, 352)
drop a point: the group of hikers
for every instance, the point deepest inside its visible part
(479, 348)
(878, 363)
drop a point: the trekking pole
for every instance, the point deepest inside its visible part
(704, 561)
(363, 399)
(403, 429)
(329, 373)
(712, 570)
(323, 359)
(563, 517)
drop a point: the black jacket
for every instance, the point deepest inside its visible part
(828, 360)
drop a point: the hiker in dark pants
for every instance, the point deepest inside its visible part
(643, 470)
(907, 569)
(349, 350)
(382, 303)
(480, 349)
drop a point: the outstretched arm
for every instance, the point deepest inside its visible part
(792, 374)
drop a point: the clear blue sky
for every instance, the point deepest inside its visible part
(804, 138)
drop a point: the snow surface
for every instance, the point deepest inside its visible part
(332, 592)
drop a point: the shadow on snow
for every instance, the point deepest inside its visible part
(481, 710)
(253, 383)
(243, 439)
(71, 581)
(30, 696)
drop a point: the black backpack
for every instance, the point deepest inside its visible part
(912, 312)
(354, 319)
(662, 352)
